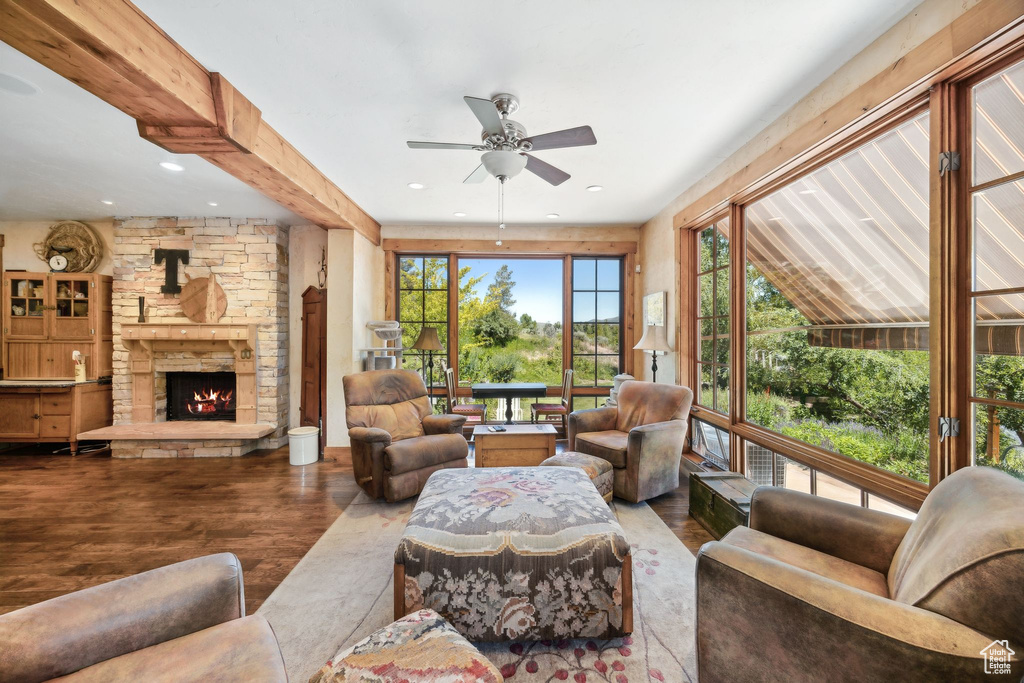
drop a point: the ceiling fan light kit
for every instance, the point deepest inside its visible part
(505, 146)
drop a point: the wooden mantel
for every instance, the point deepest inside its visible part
(145, 341)
(113, 50)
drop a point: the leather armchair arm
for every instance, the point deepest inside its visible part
(370, 435)
(592, 420)
(761, 619)
(60, 636)
(443, 424)
(656, 437)
(865, 537)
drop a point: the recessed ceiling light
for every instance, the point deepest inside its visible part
(867, 220)
(212, 203)
(171, 166)
(807, 191)
(459, 214)
(552, 215)
(17, 85)
(107, 202)
(595, 188)
(416, 186)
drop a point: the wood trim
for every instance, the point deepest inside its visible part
(113, 50)
(682, 244)
(390, 285)
(737, 334)
(567, 317)
(339, 454)
(399, 591)
(627, 593)
(469, 247)
(630, 297)
(886, 484)
(985, 28)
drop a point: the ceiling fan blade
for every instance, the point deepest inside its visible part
(414, 144)
(477, 176)
(570, 137)
(486, 113)
(546, 171)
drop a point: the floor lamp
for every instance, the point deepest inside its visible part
(655, 339)
(428, 341)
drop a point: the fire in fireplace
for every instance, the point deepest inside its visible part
(200, 396)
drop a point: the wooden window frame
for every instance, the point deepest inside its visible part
(715, 269)
(945, 92)
(454, 250)
(567, 333)
(398, 289)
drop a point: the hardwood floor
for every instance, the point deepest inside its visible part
(70, 523)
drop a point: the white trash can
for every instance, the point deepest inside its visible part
(303, 445)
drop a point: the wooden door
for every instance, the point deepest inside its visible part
(313, 396)
(72, 301)
(25, 306)
(19, 414)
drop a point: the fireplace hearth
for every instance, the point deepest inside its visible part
(200, 396)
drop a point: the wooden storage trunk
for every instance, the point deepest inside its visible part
(720, 501)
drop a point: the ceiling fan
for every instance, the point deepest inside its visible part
(505, 145)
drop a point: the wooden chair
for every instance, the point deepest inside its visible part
(562, 408)
(478, 410)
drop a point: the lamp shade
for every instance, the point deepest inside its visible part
(654, 339)
(428, 341)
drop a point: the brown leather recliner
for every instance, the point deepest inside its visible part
(642, 437)
(819, 590)
(396, 442)
(183, 622)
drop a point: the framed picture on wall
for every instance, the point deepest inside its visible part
(654, 309)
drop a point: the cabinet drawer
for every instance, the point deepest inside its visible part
(186, 332)
(155, 332)
(55, 404)
(55, 425)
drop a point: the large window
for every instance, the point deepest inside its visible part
(838, 305)
(510, 320)
(713, 316)
(423, 301)
(596, 320)
(996, 210)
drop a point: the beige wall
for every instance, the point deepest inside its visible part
(305, 248)
(355, 295)
(658, 255)
(19, 236)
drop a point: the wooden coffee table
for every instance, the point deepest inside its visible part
(518, 446)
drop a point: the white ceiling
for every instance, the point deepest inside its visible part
(63, 151)
(671, 88)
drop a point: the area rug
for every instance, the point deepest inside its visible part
(341, 591)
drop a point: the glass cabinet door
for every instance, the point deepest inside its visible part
(72, 304)
(26, 307)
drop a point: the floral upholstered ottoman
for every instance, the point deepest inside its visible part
(598, 469)
(516, 553)
(421, 648)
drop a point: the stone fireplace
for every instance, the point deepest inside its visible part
(249, 258)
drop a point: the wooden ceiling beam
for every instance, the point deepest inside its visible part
(113, 50)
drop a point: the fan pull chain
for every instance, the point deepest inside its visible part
(501, 209)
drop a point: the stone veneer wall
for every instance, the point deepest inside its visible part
(250, 259)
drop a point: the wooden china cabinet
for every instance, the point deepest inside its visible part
(47, 316)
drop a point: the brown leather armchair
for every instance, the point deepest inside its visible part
(642, 437)
(183, 622)
(396, 442)
(819, 590)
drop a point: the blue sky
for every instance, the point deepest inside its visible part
(538, 289)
